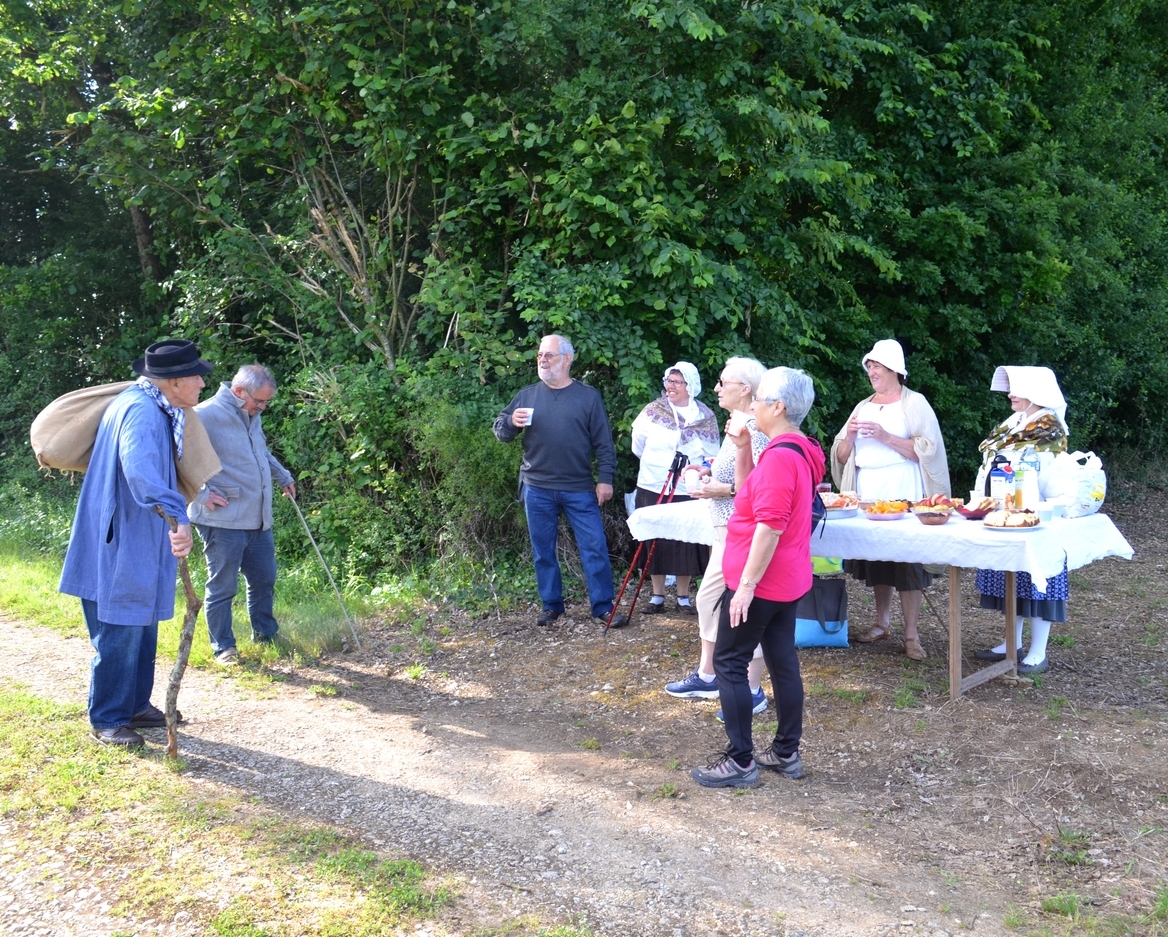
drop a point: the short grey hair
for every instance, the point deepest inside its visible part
(793, 387)
(566, 347)
(253, 377)
(750, 370)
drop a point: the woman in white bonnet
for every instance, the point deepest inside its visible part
(1038, 420)
(891, 448)
(675, 422)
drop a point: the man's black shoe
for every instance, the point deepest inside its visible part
(547, 616)
(122, 736)
(153, 718)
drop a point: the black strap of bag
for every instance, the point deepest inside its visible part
(819, 590)
(818, 509)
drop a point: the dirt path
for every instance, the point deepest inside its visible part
(919, 817)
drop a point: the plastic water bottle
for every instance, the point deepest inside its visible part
(1031, 467)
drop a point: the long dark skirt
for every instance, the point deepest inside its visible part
(904, 577)
(672, 557)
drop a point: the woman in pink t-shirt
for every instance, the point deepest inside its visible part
(767, 568)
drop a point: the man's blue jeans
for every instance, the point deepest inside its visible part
(229, 553)
(122, 672)
(583, 513)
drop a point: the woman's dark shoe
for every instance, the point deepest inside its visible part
(1041, 667)
(654, 608)
(990, 655)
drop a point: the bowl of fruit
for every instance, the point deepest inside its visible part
(935, 509)
(977, 510)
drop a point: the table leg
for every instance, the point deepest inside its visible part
(957, 683)
(1011, 622)
(954, 632)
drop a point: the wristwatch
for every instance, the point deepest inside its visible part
(746, 582)
(733, 488)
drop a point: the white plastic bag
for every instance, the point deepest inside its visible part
(1076, 481)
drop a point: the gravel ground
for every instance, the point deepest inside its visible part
(525, 831)
(533, 767)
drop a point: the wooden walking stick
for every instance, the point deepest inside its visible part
(186, 636)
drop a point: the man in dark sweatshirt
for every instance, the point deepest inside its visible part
(563, 424)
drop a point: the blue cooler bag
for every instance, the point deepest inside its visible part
(821, 619)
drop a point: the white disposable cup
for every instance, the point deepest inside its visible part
(1045, 510)
(975, 496)
(737, 422)
(528, 413)
(693, 480)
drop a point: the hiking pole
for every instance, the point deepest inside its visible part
(186, 635)
(312, 540)
(680, 460)
(932, 607)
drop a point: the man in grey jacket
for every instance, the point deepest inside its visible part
(235, 523)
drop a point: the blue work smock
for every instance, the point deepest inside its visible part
(119, 553)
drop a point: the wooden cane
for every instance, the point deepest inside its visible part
(186, 636)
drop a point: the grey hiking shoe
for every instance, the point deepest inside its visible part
(724, 771)
(789, 767)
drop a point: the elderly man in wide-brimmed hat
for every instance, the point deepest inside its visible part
(122, 555)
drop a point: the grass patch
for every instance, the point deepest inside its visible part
(28, 589)
(1072, 847)
(665, 791)
(124, 823)
(1159, 910)
(591, 745)
(1068, 905)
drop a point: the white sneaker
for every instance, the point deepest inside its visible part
(227, 657)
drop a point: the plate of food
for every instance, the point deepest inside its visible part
(1012, 519)
(844, 504)
(977, 510)
(932, 517)
(842, 500)
(886, 510)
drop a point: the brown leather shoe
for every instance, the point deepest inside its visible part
(123, 736)
(153, 718)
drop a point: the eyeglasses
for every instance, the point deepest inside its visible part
(261, 402)
(674, 382)
(546, 355)
(722, 383)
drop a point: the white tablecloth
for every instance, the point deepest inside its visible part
(1039, 551)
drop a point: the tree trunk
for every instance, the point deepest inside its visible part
(144, 232)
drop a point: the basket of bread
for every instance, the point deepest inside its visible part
(886, 510)
(976, 510)
(935, 509)
(1011, 519)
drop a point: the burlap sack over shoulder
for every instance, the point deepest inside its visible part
(63, 434)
